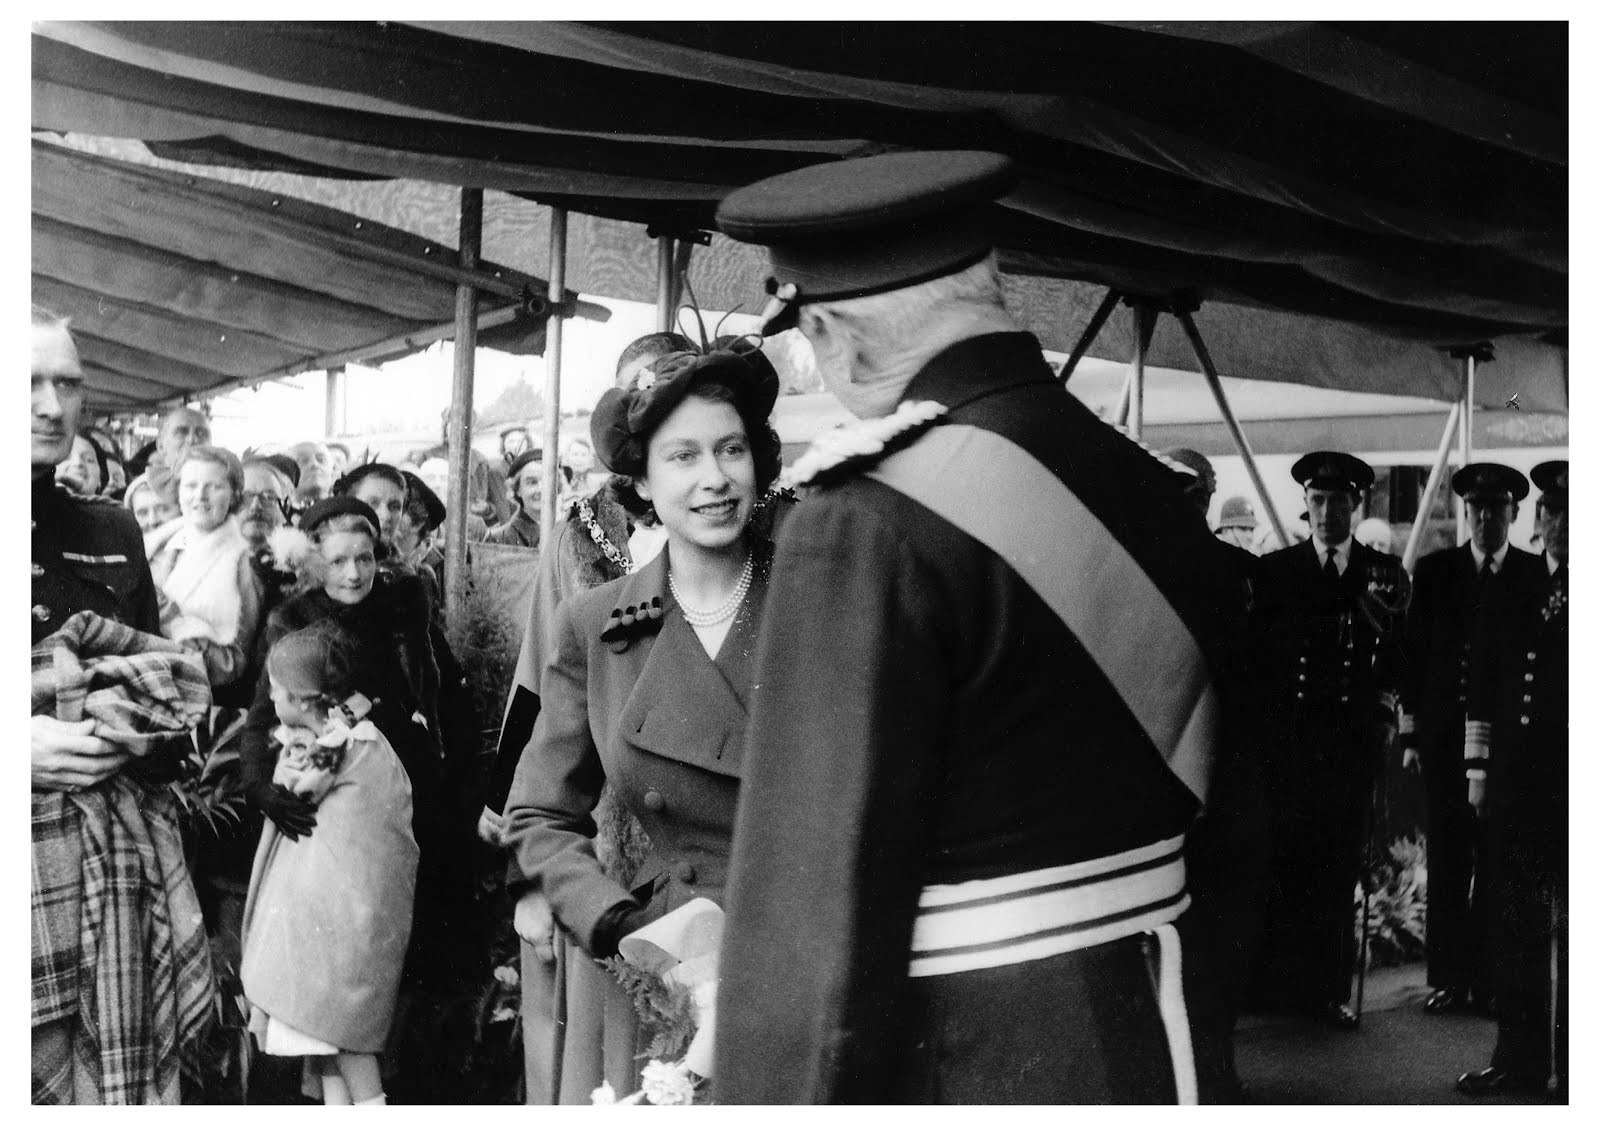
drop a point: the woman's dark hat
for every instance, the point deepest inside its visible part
(1551, 479)
(1488, 482)
(623, 421)
(322, 510)
(868, 225)
(418, 491)
(351, 479)
(522, 459)
(1332, 471)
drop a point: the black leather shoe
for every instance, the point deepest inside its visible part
(1446, 999)
(1340, 1016)
(1495, 1081)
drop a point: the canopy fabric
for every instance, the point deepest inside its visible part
(177, 285)
(1342, 200)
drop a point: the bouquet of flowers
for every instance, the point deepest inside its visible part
(308, 761)
(669, 969)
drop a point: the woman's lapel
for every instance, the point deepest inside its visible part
(681, 706)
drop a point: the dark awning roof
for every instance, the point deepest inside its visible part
(178, 284)
(1404, 186)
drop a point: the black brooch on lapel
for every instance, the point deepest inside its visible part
(624, 626)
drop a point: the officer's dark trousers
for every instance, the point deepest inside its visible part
(1459, 879)
(1521, 938)
(1321, 796)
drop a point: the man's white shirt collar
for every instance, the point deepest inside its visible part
(1341, 553)
(1498, 557)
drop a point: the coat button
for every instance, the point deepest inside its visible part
(1527, 698)
(1527, 676)
(654, 800)
(1344, 700)
(1532, 656)
(684, 872)
(1525, 720)
(38, 571)
(41, 613)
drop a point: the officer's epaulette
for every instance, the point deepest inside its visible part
(849, 449)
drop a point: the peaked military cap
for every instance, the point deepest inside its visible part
(1332, 471)
(1490, 481)
(521, 460)
(861, 226)
(332, 507)
(1551, 478)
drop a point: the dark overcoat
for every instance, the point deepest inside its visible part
(922, 717)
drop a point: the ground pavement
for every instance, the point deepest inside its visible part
(1399, 1055)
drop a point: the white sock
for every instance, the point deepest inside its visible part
(334, 1090)
(379, 1099)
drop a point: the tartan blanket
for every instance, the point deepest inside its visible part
(118, 940)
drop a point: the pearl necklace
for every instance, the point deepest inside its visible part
(727, 609)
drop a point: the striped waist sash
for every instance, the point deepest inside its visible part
(1037, 914)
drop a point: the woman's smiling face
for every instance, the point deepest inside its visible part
(204, 494)
(700, 474)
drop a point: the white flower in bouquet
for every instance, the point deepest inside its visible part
(664, 1083)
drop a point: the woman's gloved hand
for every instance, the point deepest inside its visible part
(293, 815)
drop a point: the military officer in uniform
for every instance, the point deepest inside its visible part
(1517, 739)
(959, 848)
(1330, 616)
(1450, 609)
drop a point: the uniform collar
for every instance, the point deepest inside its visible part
(981, 366)
(1341, 553)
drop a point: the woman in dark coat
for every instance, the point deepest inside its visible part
(646, 679)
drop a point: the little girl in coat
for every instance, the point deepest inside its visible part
(328, 917)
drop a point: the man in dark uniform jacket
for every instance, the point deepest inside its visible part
(936, 767)
(1517, 698)
(1330, 616)
(1450, 610)
(87, 555)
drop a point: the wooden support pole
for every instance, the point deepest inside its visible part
(1215, 381)
(333, 410)
(1144, 320)
(664, 300)
(1431, 488)
(1469, 383)
(460, 423)
(1092, 330)
(552, 378)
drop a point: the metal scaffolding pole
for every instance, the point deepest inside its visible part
(1431, 489)
(460, 430)
(1469, 385)
(1215, 381)
(664, 259)
(552, 376)
(1090, 331)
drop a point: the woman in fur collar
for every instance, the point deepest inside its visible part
(210, 596)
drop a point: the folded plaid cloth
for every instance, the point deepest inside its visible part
(118, 939)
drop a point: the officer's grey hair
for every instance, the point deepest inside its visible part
(886, 318)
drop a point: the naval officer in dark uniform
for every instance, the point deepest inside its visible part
(1517, 708)
(1331, 616)
(959, 848)
(1453, 606)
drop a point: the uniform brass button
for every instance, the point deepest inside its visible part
(41, 613)
(1527, 676)
(654, 800)
(1524, 720)
(684, 872)
(1302, 676)
(1344, 700)
(38, 571)
(1532, 656)
(1527, 698)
